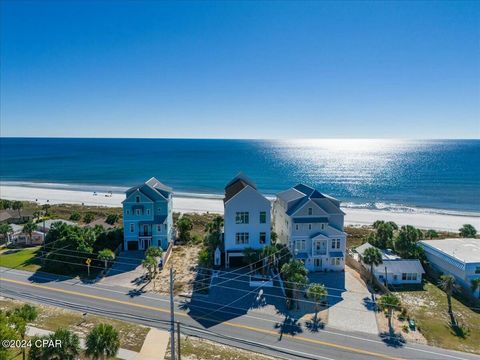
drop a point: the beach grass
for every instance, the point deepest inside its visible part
(22, 259)
(428, 307)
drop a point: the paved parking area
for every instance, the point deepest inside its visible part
(351, 307)
(127, 270)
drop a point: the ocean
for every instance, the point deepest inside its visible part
(400, 175)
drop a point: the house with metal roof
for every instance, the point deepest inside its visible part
(459, 257)
(147, 216)
(393, 270)
(247, 215)
(311, 225)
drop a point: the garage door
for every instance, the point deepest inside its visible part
(132, 245)
(236, 261)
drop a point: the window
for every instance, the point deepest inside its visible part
(137, 199)
(309, 226)
(300, 245)
(296, 227)
(263, 238)
(148, 211)
(477, 270)
(335, 243)
(335, 261)
(310, 211)
(159, 228)
(263, 217)
(241, 238)
(137, 211)
(165, 227)
(241, 217)
(132, 227)
(317, 262)
(323, 226)
(127, 212)
(409, 276)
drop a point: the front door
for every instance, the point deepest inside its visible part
(318, 264)
(146, 243)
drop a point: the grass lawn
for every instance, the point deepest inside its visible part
(52, 318)
(22, 259)
(356, 235)
(429, 309)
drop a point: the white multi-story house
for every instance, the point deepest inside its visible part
(459, 257)
(147, 216)
(247, 215)
(311, 225)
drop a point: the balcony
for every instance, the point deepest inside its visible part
(145, 234)
(317, 252)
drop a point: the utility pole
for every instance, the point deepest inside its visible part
(178, 341)
(172, 319)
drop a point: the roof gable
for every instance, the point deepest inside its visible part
(244, 191)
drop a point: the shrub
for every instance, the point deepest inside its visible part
(88, 218)
(112, 219)
(75, 216)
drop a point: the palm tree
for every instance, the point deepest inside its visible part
(295, 274)
(154, 251)
(389, 302)
(214, 226)
(251, 256)
(373, 257)
(70, 348)
(17, 205)
(475, 284)
(106, 255)
(298, 281)
(5, 230)
(46, 208)
(28, 229)
(150, 264)
(268, 253)
(102, 342)
(316, 292)
(447, 283)
(21, 317)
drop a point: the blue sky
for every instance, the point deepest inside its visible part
(240, 69)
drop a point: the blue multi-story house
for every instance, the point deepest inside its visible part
(147, 216)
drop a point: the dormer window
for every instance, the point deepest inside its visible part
(310, 211)
(137, 199)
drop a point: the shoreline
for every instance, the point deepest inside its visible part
(200, 203)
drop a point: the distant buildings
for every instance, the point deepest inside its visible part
(147, 216)
(11, 216)
(246, 219)
(45, 225)
(19, 238)
(311, 225)
(394, 270)
(457, 257)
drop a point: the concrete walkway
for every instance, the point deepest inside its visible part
(155, 345)
(355, 311)
(123, 354)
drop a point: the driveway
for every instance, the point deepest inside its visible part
(127, 270)
(351, 307)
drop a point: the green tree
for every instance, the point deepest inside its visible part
(215, 226)
(406, 242)
(69, 350)
(389, 302)
(88, 217)
(475, 284)
(384, 235)
(150, 264)
(75, 216)
(431, 234)
(273, 237)
(268, 253)
(17, 205)
(29, 228)
(7, 332)
(184, 226)
(205, 258)
(46, 209)
(21, 317)
(5, 230)
(317, 293)
(102, 342)
(468, 231)
(112, 219)
(36, 215)
(447, 284)
(295, 275)
(373, 257)
(251, 256)
(6, 204)
(154, 251)
(106, 255)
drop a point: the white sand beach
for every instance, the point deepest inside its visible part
(198, 203)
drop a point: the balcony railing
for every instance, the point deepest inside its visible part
(320, 252)
(141, 233)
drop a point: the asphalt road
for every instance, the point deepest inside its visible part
(263, 333)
